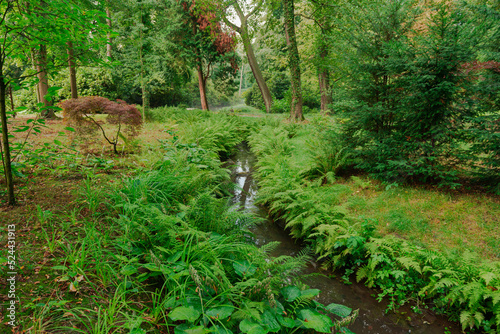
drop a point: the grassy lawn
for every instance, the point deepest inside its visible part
(448, 221)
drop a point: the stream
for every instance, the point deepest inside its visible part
(372, 318)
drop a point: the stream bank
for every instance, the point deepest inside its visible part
(372, 317)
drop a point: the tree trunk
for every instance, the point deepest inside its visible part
(241, 79)
(72, 71)
(257, 73)
(43, 81)
(5, 142)
(293, 61)
(108, 22)
(203, 92)
(12, 107)
(324, 88)
(324, 80)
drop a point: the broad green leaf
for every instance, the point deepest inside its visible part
(57, 142)
(244, 268)
(252, 327)
(310, 293)
(286, 322)
(270, 321)
(222, 330)
(68, 128)
(344, 330)
(221, 312)
(314, 320)
(189, 329)
(340, 310)
(290, 293)
(184, 313)
(129, 269)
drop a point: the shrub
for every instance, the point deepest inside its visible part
(80, 114)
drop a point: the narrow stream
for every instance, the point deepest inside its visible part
(372, 318)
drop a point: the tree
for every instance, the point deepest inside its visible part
(26, 26)
(205, 43)
(244, 32)
(293, 61)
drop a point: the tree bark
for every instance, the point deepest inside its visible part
(12, 107)
(108, 22)
(324, 81)
(252, 60)
(72, 71)
(293, 61)
(257, 73)
(5, 142)
(241, 79)
(43, 81)
(203, 88)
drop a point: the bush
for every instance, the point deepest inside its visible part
(80, 114)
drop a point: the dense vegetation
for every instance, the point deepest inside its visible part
(376, 125)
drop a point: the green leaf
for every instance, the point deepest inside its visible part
(222, 330)
(344, 330)
(221, 312)
(314, 320)
(151, 267)
(189, 329)
(251, 327)
(286, 322)
(244, 268)
(290, 293)
(184, 313)
(57, 142)
(310, 293)
(340, 310)
(68, 128)
(129, 269)
(270, 321)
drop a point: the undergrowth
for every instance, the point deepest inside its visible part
(300, 187)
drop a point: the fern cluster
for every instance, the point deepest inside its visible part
(466, 288)
(180, 231)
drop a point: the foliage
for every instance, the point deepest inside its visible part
(410, 100)
(177, 219)
(465, 287)
(81, 114)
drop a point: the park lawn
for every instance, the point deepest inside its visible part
(451, 222)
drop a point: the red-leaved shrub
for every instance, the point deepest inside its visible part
(80, 114)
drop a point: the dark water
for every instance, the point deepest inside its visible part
(372, 318)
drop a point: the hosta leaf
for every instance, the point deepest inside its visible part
(189, 329)
(310, 293)
(129, 269)
(252, 327)
(290, 293)
(286, 322)
(221, 312)
(312, 319)
(340, 310)
(184, 313)
(270, 321)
